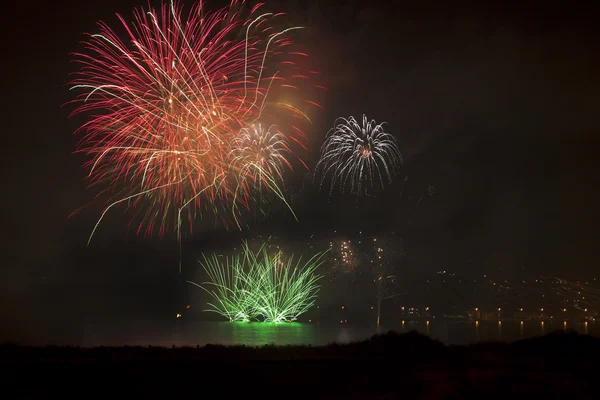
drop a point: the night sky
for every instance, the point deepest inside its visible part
(496, 107)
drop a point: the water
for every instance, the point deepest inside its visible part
(193, 333)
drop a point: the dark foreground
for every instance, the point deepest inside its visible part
(391, 366)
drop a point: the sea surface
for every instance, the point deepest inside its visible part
(200, 333)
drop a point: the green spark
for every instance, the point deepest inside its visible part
(261, 286)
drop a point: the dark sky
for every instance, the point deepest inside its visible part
(494, 106)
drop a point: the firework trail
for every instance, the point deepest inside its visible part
(385, 251)
(358, 155)
(169, 108)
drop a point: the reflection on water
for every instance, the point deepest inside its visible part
(500, 330)
(447, 332)
(521, 330)
(192, 333)
(542, 323)
(258, 334)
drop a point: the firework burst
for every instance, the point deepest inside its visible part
(259, 151)
(261, 285)
(358, 155)
(167, 104)
(258, 157)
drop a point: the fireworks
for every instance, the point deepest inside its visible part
(173, 110)
(343, 258)
(358, 155)
(228, 285)
(260, 152)
(383, 252)
(258, 158)
(287, 290)
(260, 285)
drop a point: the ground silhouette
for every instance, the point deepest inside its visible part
(388, 366)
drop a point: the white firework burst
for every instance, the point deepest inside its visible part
(358, 155)
(259, 154)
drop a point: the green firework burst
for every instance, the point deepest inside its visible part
(259, 285)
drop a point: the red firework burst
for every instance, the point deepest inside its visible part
(166, 106)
